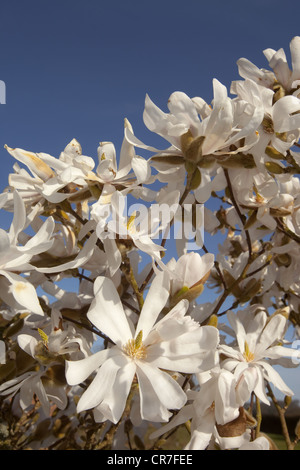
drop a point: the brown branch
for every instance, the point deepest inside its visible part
(281, 413)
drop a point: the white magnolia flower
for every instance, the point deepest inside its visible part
(110, 173)
(258, 340)
(281, 73)
(280, 125)
(56, 338)
(141, 227)
(48, 174)
(266, 208)
(56, 179)
(175, 343)
(192, 270)
(195, 130)
(83, 257)
(217, 403)
(15, 289)
(36, 383)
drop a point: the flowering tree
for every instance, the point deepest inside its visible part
(133, 355)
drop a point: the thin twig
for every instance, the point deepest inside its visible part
(281, 414)
(236, 206)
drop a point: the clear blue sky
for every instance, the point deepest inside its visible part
(75, 68)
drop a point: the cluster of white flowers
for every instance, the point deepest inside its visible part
(133, 349)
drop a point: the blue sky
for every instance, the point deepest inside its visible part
(75, 68)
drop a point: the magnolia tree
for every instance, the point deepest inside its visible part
(126, 355)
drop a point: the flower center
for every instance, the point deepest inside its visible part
(248, 355)
(134, 348)
(131, 228)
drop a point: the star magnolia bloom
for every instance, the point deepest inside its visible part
(217, 403)
(281, 116)
(36, 383)
(73, 172)
(174, 343)
(141, 229)
(192, 271)
(15, 289)
(220, 125)
(289, 79)
(257, 339)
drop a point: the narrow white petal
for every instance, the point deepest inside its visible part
(27, 343)
(273, 376)
(189, 365)
(272, 332)
(113, 405)
(181, 106)
(226, 407)
(12, 385)
(295, 54)
(41, 241)
(141, 169)
(23, 292)
(102, 384)
(260, 388)
(81, 259)
(78, 371)
(151, 408)
(127, 152)
(114, 257)
(107, 313)
(186, 413)
(154, 303)
(201, 436)
(19, 218)
(278, 352)
(238, 328)
(32, 161)
(166, 388)
(132, 139)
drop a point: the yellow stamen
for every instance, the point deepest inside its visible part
(134, 348)
(44, 336)
(130, 223)
(248, 355)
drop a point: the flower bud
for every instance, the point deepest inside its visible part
(190, 167)
(287, 401)
(273, 153)
(252, 288)
(275, 168)
(192, 147)
(240, 160)
(196, 179)
(189, 294)
(267, 124)
(169, 159)
(284, 259)
(213, 321)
